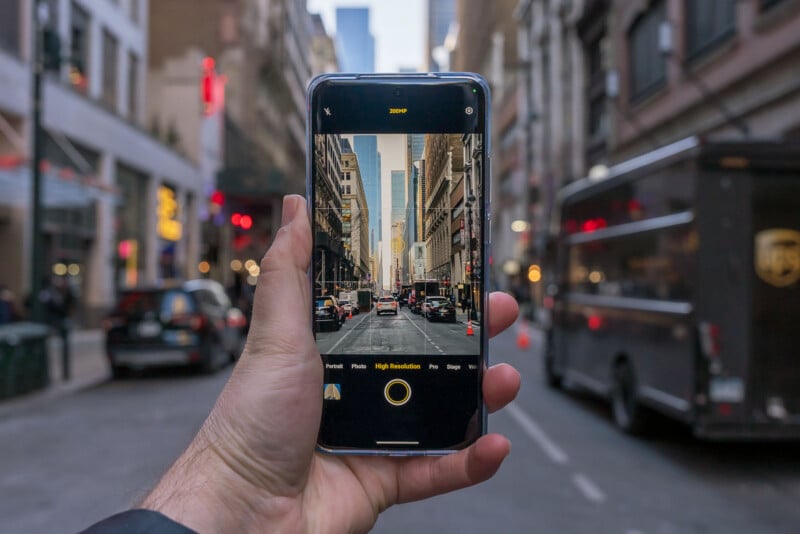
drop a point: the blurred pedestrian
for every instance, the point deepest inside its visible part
(8, 311)
(253, 465)
(57, 300)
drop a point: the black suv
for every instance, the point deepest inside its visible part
(328, 313)
(191, 324)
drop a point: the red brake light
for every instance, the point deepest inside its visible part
(710, 336)
(595, 322)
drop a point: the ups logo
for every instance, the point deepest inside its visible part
(778, 256)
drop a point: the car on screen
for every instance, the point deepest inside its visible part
(347, 307)
(386, 305)
(429, 302)
(328, 313)
(440, 309)
(192, 324)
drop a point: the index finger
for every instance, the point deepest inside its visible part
(503, 311)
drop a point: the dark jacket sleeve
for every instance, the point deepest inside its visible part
(138, 522)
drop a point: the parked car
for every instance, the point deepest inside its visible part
(441, 310)
(348, 307)
(386, 305)
(191, 324)
(428, 302)
(328, 313)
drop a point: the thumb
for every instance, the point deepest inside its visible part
(281, 321)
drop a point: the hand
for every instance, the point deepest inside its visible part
(253, 465)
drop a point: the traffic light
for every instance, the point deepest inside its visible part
(216, 201)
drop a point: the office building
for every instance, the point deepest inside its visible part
(356, 45)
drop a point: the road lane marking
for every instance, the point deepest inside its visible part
(423, 333)
(588, 488)
(330, 350)
(548, 446)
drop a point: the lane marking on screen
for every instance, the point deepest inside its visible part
(427, 337)
(330, 350)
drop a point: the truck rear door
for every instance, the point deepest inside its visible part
(775, 377)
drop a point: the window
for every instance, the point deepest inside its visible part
(133, 85)
(647, 64)
(110, 53)
(652, 265)
(708, 23)
(663, 193)
(10, 25)
(79, 49)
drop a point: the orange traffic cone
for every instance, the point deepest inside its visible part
(470, 332)
(523, 337)
(350, 315)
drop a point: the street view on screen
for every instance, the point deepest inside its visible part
(397, 233)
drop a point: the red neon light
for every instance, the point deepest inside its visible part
(246, 222)
(217, 198)
(595, 322)
(124, 249)
(236, 219)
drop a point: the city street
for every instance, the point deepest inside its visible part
(71, 461)
(404, 333)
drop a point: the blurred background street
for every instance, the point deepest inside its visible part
(71, 462)
(645, 195)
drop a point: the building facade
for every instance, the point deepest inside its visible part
(441, 16)
(266, 52)
(121, 205)
(488, 43)
(608, 80)
(356, 228)
(356, 45)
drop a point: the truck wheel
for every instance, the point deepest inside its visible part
(630, 416)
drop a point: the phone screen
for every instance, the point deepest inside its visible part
(398, 192)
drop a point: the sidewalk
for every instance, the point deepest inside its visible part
(88, 364)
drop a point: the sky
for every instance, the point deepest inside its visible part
(399, 28)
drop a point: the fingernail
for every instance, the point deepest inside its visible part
(289, 210)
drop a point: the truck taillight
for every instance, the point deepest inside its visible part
(710, 336)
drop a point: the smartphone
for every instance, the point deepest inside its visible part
(398, 191)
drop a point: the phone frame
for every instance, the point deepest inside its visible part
(432, 79)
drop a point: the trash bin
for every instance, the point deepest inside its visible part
(23, 358)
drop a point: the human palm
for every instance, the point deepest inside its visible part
(255, 457)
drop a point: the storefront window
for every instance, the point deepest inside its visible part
(131, 217)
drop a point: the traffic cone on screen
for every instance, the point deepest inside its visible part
(350, 315)
(470, 332)
(523, 337)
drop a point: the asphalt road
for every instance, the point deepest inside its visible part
(404, 333)
(69, 462)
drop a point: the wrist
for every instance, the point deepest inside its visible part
(203, 493)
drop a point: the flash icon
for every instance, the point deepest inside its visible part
(327, 111)
(469, 110)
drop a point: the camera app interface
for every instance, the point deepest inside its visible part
(397, 253)
(397, 295)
